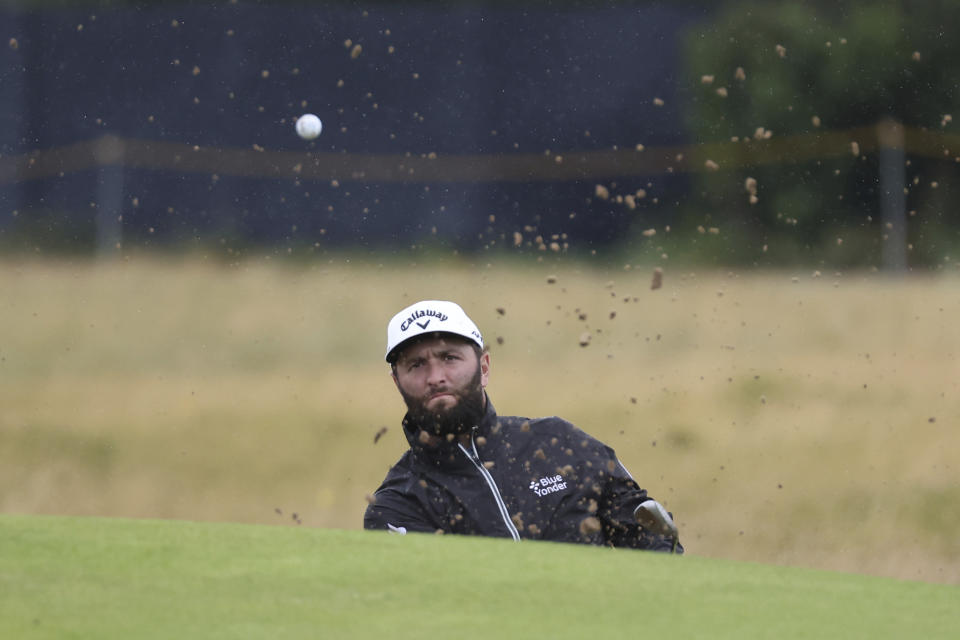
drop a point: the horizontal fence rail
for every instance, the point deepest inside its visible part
(440, 168)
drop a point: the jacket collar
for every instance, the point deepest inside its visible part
(446, 453)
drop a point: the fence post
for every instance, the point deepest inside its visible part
(109, 153)
(893, 201)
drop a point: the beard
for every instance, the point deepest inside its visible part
(456, 420)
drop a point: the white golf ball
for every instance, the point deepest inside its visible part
(309, 126)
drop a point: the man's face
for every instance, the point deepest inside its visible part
(442, 380)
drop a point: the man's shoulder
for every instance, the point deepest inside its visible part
(553, 433)
(523, 421)
(554, 425)
(402, 468)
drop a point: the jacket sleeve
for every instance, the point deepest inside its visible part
(620, 499)
(393, 509)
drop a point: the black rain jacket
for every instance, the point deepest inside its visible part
(539, 479)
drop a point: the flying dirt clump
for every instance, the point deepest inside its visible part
(750, 185)
(657, 280)
(589, 525)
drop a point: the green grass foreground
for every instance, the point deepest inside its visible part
(70, 577)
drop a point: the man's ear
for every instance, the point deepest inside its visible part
(484, 368)
(393, 376)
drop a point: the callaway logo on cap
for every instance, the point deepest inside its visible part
(429, 316)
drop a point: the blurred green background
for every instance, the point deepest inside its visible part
(786, 417)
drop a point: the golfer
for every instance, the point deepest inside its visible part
(470, 471)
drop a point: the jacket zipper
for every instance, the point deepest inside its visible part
(475, 459)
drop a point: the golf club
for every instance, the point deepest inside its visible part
(654, 518)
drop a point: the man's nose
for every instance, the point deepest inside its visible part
(435, 373)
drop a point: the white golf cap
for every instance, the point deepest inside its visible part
(426, 317)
